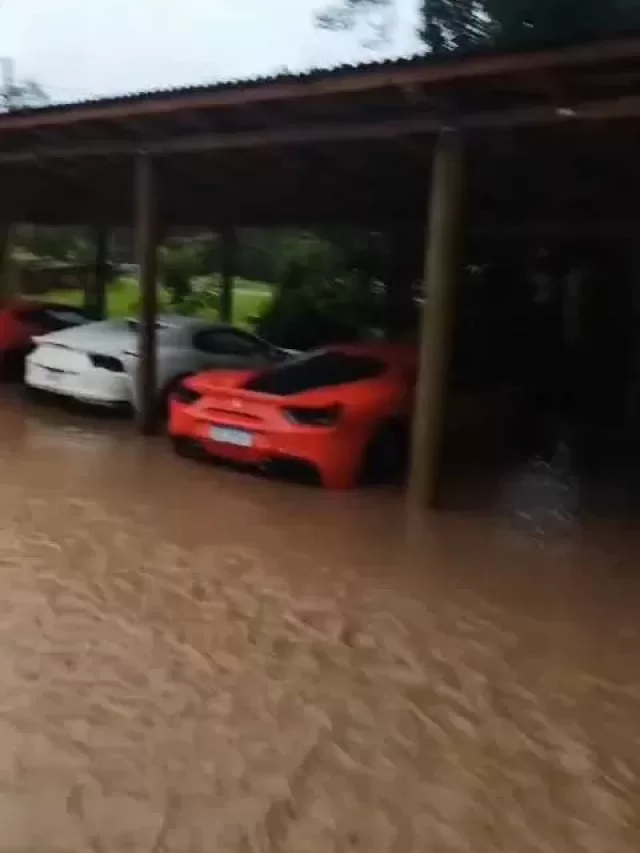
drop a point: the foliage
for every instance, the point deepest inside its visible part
(180, 263)
(21, 95)
(519, 23)
(327, 282)
(123, 300)
(65, 245)
(346, 14)
(320, 299)
(198, 303)
(448, 25)
(259, 256)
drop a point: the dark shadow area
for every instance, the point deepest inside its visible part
(65, 403)
(291, 470)
(546, 344)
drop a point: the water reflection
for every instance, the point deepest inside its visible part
(193, 659)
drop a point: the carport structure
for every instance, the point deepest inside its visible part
(494, 144)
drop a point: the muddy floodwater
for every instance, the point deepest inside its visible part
(194, 659)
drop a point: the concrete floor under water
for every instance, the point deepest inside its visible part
(193, 659)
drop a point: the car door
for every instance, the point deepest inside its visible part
(230, 349)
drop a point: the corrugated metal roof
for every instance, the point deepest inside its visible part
(283, 75)
(315, 74)
(239, 82)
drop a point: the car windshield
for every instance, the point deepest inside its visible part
(318, 370)
(53, 318)
(66, 316)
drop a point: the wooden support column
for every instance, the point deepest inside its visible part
(441, 271)
(7, 273)
(146, 250)
(4, 244)
(95, 297)
(229, 242)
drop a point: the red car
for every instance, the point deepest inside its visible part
(341, 412)
(22, 320)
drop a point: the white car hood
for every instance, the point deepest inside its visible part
(105, 338)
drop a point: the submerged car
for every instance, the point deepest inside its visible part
(98, 363)
(23, 320)
(342, 412)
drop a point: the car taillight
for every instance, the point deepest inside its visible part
(325, 416)
(185, 395)
(106, 362)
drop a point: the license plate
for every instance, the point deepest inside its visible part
(237, 437)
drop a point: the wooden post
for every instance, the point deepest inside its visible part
(146, 248)
(229, 241)
(4, 245)
(441, 269)
(95, 297)
(7, 272)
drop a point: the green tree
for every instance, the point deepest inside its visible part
(21, 94)
(327, 289)
(64, 245)
(454, 24)
(378, 16)
(444, 25)
(180, 262)
(517, 23)
(447, 25)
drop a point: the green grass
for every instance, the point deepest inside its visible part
(249, 297)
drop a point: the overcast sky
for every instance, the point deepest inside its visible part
(77, 48)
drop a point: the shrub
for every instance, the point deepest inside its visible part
(179, 265)
(199, 302)
(318, 300)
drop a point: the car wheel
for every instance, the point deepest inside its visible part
(386, 456)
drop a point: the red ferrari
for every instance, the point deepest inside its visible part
(22, 320)
(341, 412)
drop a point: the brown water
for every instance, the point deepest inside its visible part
(198, 660)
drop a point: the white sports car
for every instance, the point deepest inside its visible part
(97, 363)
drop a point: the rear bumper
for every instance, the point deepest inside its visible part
(322, 450)
(95, 386)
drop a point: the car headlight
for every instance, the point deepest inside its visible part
(106, 362)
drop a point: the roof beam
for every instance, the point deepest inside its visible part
(617, 108)
(330, 82)
(618, 229)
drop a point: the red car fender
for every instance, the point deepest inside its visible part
(14, 331)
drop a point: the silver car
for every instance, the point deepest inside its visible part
(98, 362)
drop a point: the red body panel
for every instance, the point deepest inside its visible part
(15, 333)
(19, 323)
(336, 452)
